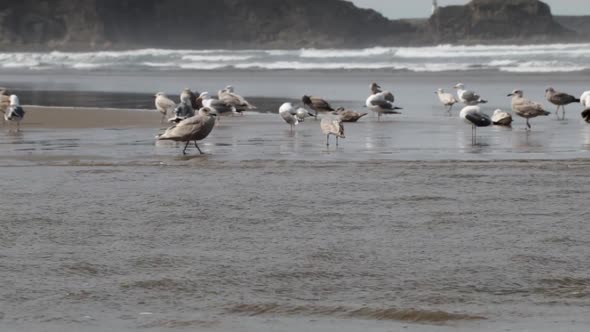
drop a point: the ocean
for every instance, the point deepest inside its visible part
(405, 226)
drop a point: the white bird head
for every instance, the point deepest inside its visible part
(439, 91)
(286, 107)
(204, 95)
(497, 111)
(229, 88)
(518, 93)
(14, 100)
(160, 94)
(459, 86)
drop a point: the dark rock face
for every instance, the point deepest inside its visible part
(193, 24)
(495, 19)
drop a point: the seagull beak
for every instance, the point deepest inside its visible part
(510, 95)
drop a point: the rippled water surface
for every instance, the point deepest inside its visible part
(405, 226)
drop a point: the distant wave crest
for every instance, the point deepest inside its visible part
(506, 58)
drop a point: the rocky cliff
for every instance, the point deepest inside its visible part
(193, 24)
(493, 20)
(123, 24)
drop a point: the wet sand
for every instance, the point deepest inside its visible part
(84, 117)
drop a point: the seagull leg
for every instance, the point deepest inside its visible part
(186, 146)
(17, 126)
(328, 140)
(563, 109)
(557, 112)
(201, 152)
(336, 141)
(528, 124)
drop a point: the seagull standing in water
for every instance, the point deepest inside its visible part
(164, 104)
(468, 97)
(301, 113)
(472, 115)
(331, 125)
(381, 102)
(219, 106)
(348, 115)
(560, 99)
(15, 112)
(288, 112)
(228, 96)
(526, 108)
(190, 98)
(195, 128)
(446, 99)
(317, 104)
(501, 118)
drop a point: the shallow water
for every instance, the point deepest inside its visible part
(404, 226)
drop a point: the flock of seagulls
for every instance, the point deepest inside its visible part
(196, 114)
(520, 105)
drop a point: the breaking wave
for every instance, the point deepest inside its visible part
(507, 58)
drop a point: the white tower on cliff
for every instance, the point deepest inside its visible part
(434, 6)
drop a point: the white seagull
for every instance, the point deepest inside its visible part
(468, 97)
(15, 112)
(164, 104)
(501, 118)
(288, 112)
(472, 115)
(381, 102)
(446, 99)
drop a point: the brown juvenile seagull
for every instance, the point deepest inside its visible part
(560, 99)
(332, 126)
(195, 128)
(526, 108)
(348, 115)
(317, 104)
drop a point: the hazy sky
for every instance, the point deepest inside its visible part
(422, 8)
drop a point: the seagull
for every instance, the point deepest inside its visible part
(195, 128)
(4, 100)
(585, 99)
(472, 115)
(560, 99)
(586, 115)
(446, 99)
(228, 96)
(288, 113)
(526, 108)
(468, 97)
(381, 103)
(332, 126)
(190, 98)
(348, 115)
(301, 113)
(184, 110)
(222, 108)
(14, 113)
(317, 104)
(501, 118)
(375, 88)
(164, 104)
